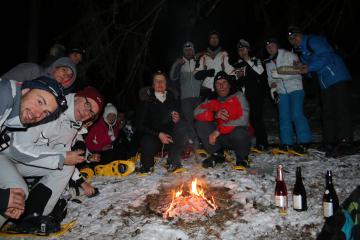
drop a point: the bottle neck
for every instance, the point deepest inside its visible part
(329, 181)
(280, 176)
(298, 175)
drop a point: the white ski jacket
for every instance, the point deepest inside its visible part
(285, 83)
(46, 145)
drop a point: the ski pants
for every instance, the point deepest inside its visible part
(151, 144)
(238, 140)
(188, 106)
(336, 115)
(291, 112)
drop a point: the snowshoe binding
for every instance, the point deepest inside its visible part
(118, 168)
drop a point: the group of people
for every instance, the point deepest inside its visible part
(51, 130)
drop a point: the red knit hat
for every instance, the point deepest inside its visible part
(93, 93)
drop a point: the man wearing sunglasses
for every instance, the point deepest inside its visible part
(45, 151)
(22, 105)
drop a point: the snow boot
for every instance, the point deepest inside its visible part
(213, 160)
(241, 164)
(144, 171)
(118, 168)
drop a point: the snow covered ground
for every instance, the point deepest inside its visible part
(112, 215)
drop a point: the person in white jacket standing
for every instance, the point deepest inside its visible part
(289, 89)
(213, 60)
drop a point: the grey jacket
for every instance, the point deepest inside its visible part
(10, 95)
(30, 71)
(189, 86)
(46, 145)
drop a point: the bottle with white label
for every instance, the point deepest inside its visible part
(299, 193)
(330, 199)
(281, 195)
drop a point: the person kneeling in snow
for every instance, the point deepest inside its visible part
(222, 122)
(46, 151)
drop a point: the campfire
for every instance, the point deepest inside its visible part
(190, 203)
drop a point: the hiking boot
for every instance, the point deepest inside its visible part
(242, 164)
(301, 148)
(213, 160)
(261, 147)
(35, 223)
(344, 148)
(285, 147)
(144, 171)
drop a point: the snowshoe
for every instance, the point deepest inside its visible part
(255, 150)
(176, 169)
(87, 173)
(10, 231)
(242, 164)
(118, 168)
(201, 153)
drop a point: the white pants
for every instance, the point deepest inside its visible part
(10, 178)
(12, 173)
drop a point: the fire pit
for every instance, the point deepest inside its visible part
(190, 203)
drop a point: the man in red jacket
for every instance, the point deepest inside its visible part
(222, 122)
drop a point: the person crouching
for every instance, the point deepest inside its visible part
(222, 122)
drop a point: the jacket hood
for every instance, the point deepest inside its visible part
(63, 62)
(109, 108)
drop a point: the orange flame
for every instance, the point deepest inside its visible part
(195, 191)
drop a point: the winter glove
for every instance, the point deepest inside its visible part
(202, 74)
(274, 95)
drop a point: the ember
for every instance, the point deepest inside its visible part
(193, 203)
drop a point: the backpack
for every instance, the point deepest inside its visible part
(344, 224)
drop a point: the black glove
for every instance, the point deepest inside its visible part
(202, 74)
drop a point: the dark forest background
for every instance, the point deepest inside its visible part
(127, 40)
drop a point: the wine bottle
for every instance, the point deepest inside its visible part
(330, 199)
(281, 195)
(299, 193)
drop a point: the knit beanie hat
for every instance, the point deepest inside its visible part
(188, 45)
(271, 40)
(91, 92)
(64, 62)
(243, 44)
(292, 30)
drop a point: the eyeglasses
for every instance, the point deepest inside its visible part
(88, 108)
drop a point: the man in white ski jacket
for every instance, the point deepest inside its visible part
(45, 151)
(214, 60)
(21, 105)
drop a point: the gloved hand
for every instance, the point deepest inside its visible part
(274, 95)
(275, 74)
(202, 74)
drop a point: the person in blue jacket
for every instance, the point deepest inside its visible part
(317, 55)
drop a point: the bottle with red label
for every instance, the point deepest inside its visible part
(281, 195)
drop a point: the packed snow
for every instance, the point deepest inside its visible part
(113, 214)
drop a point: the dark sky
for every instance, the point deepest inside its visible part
(179, 21)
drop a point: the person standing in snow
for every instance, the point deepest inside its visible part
(214, 60)
(290, 98)
(45, 151)
(160, 126)
(317, 55)
(182, 71)
(62, 70)
(22, 105)
(222, 122)
(251, 79)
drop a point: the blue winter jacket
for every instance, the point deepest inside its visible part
(320, 57)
